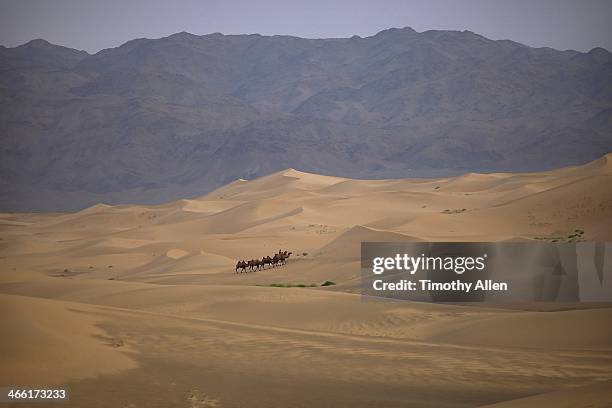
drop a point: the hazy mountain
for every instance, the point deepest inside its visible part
(153, 120)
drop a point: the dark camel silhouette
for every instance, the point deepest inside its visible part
(241, 265)
(284, 256)
(276, 260)
(266, 260)
(253, 264)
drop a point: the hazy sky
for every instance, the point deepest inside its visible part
(94, 25)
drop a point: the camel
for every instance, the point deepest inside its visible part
(253, 264)
(241, 265)
(266, 260)
(284, 256)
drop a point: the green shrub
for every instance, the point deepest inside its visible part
(289, 285)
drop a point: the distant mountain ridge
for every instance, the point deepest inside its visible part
(155, 120)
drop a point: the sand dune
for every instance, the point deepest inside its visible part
(48, 342)
(349, 243)
(596, 395)
(121, 297)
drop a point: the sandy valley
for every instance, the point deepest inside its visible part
(140, 306)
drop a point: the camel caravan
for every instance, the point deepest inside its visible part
(254, 264)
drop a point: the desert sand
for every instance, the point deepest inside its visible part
(139, 306)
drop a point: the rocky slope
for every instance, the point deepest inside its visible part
(154, 120)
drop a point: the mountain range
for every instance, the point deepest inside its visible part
(154, 120)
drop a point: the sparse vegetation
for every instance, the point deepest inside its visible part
(575, 236)
(455, 211)
(578, 233)
(66, 272)
(289, 285)
(299, 285)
